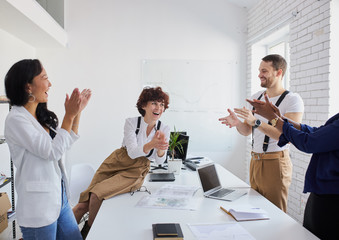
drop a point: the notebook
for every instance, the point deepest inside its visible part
(246, 213)
(161, 177)
(211, 185)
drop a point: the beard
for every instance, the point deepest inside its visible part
(265, 84)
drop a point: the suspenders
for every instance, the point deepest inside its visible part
(138, 128)
(267, 138)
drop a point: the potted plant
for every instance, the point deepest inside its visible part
(175, 144)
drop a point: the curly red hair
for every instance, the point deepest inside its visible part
(152, 94)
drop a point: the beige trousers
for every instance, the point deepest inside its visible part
(271, 175)
(117, 174)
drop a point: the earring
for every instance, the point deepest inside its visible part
(31, 95)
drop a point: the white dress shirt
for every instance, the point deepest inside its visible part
(135, 143)
(40, 165)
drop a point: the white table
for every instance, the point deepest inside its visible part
(118, 218)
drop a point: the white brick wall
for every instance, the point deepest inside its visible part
(309, 70)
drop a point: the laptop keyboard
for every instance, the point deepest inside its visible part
(222, 192)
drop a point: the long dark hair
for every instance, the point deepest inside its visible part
(16, 80)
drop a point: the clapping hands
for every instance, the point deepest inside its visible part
(231, 120)
(160, 141)
(75, 103)
(265, 108)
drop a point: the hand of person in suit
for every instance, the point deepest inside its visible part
(265, 108)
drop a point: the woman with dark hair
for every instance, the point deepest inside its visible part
(322, 175)
(145, 139)
(37, 146)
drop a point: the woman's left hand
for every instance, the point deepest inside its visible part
(84, 98)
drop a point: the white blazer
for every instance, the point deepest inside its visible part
(40, 165)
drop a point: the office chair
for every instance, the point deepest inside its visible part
(81, 177)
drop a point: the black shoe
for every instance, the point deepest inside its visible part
(85, 230)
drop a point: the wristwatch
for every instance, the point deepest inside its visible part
(274, 121)
(257, 123)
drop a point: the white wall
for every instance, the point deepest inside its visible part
(108, 41)
(12, 49)
(334, 59)
(309, 73)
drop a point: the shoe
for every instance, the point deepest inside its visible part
(85, 230)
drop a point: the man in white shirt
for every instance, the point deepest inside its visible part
(270, 167)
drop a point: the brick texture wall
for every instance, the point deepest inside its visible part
(309, 39)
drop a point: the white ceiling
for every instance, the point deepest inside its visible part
(244, 3)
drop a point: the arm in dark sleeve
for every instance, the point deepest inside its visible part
(310, 139)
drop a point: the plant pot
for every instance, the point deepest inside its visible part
(174, 166)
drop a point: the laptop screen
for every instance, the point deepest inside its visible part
(208, 177)
(180, 154)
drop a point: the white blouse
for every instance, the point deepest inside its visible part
(39, 166)
(135, 143)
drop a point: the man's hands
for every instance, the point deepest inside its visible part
(231, 120)
(245, 114)
(266, 109)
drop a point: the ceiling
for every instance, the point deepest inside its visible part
(244, 3)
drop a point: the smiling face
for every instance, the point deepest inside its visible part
(268, 75)
(153, 110)
(39, 87)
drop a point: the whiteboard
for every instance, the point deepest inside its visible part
(200, 91)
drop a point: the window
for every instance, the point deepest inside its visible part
(275, 43)
(282, 48)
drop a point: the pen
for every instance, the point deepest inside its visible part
(227, 212)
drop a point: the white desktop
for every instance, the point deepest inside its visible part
(120, 218)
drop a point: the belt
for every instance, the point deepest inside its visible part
(268, 155)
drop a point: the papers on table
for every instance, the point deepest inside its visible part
(220, 231)
(171, 196)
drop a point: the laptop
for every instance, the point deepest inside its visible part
(161, 177)
(211, 185)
